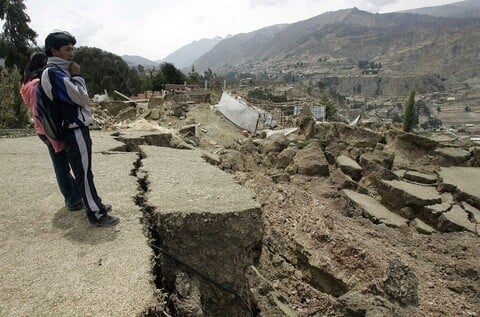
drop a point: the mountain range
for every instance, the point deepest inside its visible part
(430, 51)
(463, 9)
(183, 58)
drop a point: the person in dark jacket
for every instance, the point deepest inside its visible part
(28, 90)
(63, 85)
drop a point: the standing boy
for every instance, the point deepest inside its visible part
(64, 86)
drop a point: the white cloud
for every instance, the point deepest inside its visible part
(154, 29)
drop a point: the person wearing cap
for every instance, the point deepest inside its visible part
(28, 91)
(63, 85)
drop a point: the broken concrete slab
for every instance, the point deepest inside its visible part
(456, 219)
(350, 167)
(53, 262)
(432, 212)
(374, 210)
(203, 218)
(473, 213)
(421, 178)
(422, 227)
(188, 130)
(450, 156)
(412, 152)
(399, 194)
(410, 142)
(133, 139)
(463, 182)
(476, 156)
(355, 136)
(400, 173)
(375, 171)
(383, 158)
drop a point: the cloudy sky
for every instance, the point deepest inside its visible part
(155, 28)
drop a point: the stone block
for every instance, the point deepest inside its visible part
(349, 167)
(374, 210)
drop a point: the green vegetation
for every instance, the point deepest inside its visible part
(264, 94)
(17, 38)
(13, 114)
(193, 76)
(432, 124)
(16, 41)
(369, 66)
(410, 112)
(103, 70)
(330, 108)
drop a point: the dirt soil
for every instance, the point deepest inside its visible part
(321, 259)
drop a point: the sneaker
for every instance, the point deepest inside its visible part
(107, 207)
(105, 221)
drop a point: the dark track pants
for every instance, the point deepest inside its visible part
(78, 146)
(65, 180)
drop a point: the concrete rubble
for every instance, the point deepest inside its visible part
(304, 223)
(203, 218)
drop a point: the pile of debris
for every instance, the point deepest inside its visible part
(144, 114)
(354, 218)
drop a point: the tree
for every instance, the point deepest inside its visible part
(208, 75)
(17, 37)
(13, 113)
(172, 74)
(330, 109)
(193, 76)
(16, 41)
(104, 70)
(409, 117)
(158, 81)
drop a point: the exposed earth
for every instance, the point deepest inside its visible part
(325, 250)
(357, 221)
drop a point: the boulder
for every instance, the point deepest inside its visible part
(275, 143)
(309, 161)
(286, 157)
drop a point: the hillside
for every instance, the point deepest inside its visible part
(463, 9)
(186, 55)
(134, 60)
(237, 49)
(434, 51)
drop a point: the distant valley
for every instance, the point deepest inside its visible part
(406, 51)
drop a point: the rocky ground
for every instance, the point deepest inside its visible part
(356, 222)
